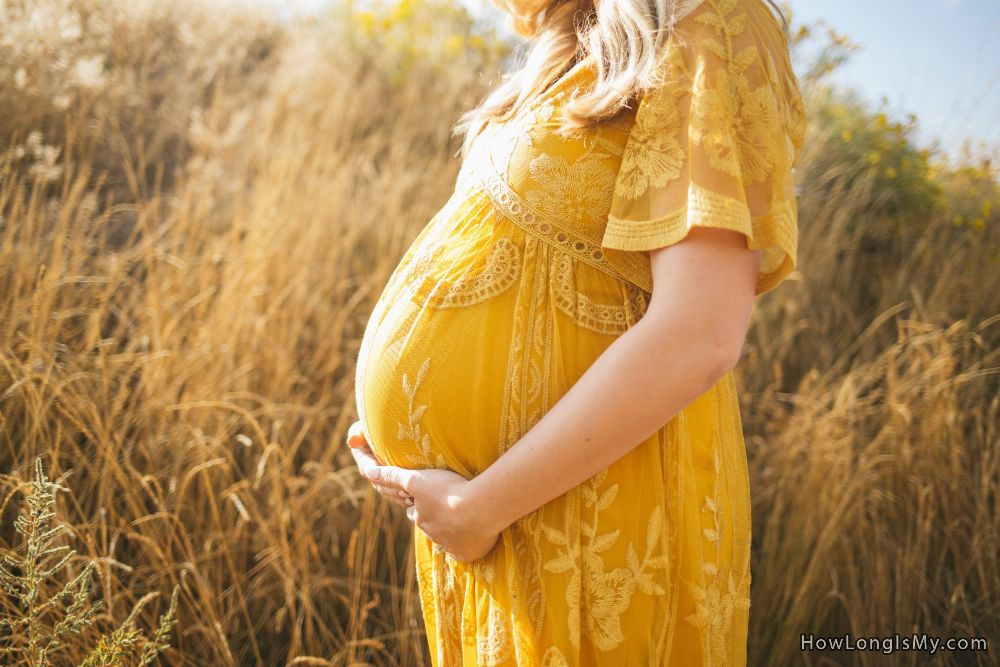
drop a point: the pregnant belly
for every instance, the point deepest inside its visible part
(430, 377)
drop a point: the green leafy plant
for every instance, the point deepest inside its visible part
(31, 635)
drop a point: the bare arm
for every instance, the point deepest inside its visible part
(691, 334)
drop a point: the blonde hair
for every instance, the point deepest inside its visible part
(625, 38)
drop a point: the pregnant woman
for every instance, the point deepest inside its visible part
(546, 382)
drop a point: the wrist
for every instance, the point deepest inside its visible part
(485, 504)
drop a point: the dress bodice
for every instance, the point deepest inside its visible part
(556, 187)
(713, 145)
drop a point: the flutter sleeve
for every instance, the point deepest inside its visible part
(715, 142)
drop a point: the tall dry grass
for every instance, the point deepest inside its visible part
(198, 208)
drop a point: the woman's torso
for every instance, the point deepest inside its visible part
(523, 223)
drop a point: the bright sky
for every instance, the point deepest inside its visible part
(937, 59)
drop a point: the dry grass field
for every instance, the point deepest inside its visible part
(198, 209)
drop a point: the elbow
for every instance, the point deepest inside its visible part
(714, 346)
(728, 336)
(727, 360)
(725, 355)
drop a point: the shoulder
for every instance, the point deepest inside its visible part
(711, 25)
(758, 12)
(718, 44)
(730, 53)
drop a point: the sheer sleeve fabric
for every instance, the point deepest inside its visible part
(715, 142)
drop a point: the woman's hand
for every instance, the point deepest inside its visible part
(438, 501)
(366, 460)
(441, 504)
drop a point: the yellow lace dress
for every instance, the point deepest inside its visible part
(536, 263)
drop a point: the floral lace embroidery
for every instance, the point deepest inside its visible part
(716, 603)
(526, 396)
(553, 657)
(526, 399)
(733, 121)
(447, 605)
(576, 191)
(541, 211)
(713, 145)
(493, 643)
(412, 430)
(505, 141)
(496, 144)
(604, 569)
(443, 583)
(606, 593)
(729, 119)
(502, 269)
(654, 156)
(632, 267)
(610, 319)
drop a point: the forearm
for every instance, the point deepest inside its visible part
(638, 384)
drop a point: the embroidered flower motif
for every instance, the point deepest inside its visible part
(731, 120)
(607, 594)
(574, 192)
(654, 155)
(413, 430)
(734, 123)
(714, 610)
